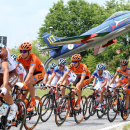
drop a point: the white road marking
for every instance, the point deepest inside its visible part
(117, 125)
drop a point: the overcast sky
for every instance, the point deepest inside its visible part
(21, 20)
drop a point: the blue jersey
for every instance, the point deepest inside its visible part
(49, 72)
(102, 78)
(58, 72)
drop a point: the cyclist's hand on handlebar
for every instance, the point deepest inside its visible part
(92, 87)
(42, 86)
(47, 85)
(123, 89)
(59, 84)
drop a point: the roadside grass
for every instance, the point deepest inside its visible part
(40, 93)
(126, 127)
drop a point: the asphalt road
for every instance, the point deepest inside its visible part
(93, 123)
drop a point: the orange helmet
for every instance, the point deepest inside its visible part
(76, 57)
(25, 46)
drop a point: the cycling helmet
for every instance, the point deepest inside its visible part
(99, 67)
(112, 75)
(104, 65)
(76, 57)
(62, 61)
(52, 65)
(13, 56)
(124, 62)
(25, 46)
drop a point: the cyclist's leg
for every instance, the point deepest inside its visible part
(65, 82)
(78, 86)
(37, 77)
(13, 77)
(54, 83)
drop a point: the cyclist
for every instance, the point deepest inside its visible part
(49, 71)
(108, 74)
(20, 69)
(102, 81)
(125, 79)
(83, 77)
(57, 76)
(113, 85)
(35, 70)
(8, 78)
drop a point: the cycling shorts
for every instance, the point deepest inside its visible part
(39, 76)
(86, 81)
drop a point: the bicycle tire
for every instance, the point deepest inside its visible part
(32, 114)
(91, 109)
(87, 116)
(63, 106)
(113, 103)
(101, 113)
(47, 107)
(21, 115)
(79, 115)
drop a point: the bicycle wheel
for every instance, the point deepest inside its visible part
(21, 114)
(92, 104)
(89, 98)
(100, 113)
(112, 108)
(62, 110)
(108, 98)
(32, 118)
(47, 107)
(80, 114)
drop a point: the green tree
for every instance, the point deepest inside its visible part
(90, 62)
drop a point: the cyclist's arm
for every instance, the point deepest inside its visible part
(113, 79)
(51, 78)
(104, 84)
(21, 78)
(94, 81)
(45, 80)
(30, 74)
(64, 76)
(128, 82)
(5, 68)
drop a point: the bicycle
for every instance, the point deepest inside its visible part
(49, 102)
(66, 105)
(20, 115)
(32, 117)
(116, 105)
(93, 101)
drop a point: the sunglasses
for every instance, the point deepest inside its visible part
(74, 62)
(23, 51)
(122, 66)
(60, 65)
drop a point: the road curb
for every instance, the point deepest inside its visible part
(122, 126)
(117, 126)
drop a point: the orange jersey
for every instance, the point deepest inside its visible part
(82, 70)
(33, 60)
(125, 73)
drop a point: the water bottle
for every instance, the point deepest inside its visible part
(5, 109)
